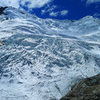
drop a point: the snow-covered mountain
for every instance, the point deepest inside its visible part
(41, 59)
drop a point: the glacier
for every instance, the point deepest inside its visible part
(41, 59)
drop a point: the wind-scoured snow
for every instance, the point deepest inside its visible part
(42, 58)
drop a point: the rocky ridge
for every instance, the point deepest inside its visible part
(86, 89)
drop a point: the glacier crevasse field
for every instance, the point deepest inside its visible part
(42, 58)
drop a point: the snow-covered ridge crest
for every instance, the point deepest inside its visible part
(42, 58)
(50, 26)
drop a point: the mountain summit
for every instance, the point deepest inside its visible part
(42, 58)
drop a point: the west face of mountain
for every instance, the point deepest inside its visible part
(40, 59)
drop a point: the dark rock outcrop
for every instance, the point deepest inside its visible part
(86, 89)
(1, 43)
(2, 10)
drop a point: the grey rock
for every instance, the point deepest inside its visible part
(86, 89)
(1, 43)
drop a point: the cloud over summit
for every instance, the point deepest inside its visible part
(30, 3)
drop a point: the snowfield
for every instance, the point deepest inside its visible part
(42, 58)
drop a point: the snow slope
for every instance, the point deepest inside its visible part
(43, 58)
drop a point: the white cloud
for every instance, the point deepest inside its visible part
(13, 3)
(64, 12)
(54, 14)
(34, 3)
(59, 13)
(92, 1)
(43, 11)
(48, 9)
(96, 15)
(52, 8)
(30, 3)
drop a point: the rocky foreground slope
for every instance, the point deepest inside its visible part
(86, 89)
(42, 58)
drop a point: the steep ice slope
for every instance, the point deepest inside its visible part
(41, 59)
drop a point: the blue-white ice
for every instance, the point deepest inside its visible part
(43, 58)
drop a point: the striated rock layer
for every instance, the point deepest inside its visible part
(87, 89)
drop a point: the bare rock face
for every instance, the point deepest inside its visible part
(1, 43)
(87, 89)
(2, 10)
